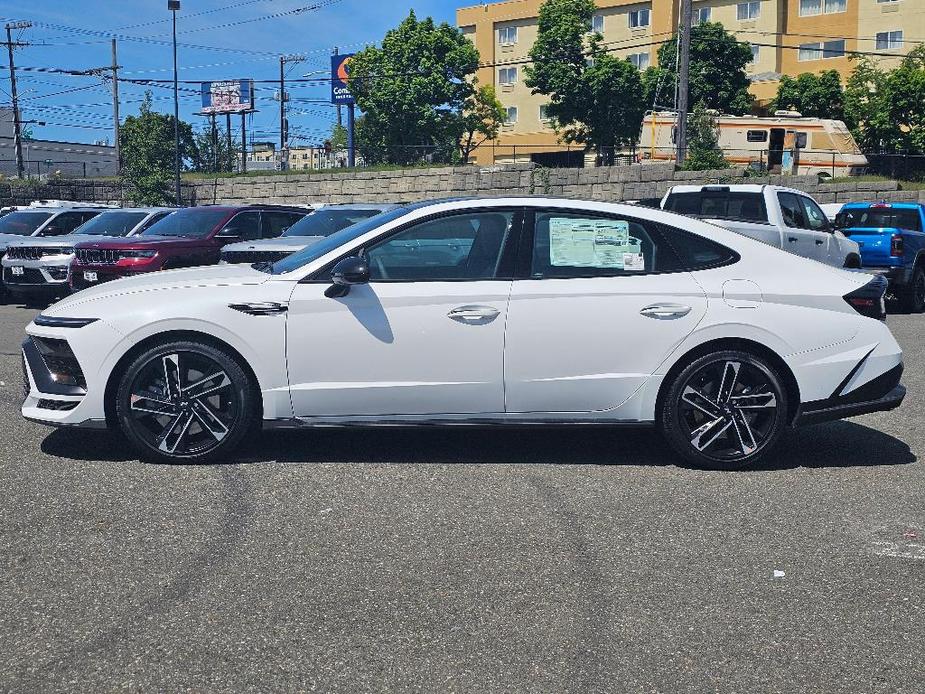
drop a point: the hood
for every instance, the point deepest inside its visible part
(207, 276)
(283, 243)
(8, 239)
(135, 242)
(60, 241)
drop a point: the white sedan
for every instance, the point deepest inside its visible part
(506, 311)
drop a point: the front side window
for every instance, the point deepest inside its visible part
(792, 211)
(244, 226)
(889, 40)
(452, 248)
(571, 245)
(66, 223)
(639, 18)
(748, 10)
(815, 217)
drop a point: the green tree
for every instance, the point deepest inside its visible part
(338, 139)
(905, 87)
(717, 73)
(214, 159)
(818, 96)
(147, 145)
(412, 91)
(703, 150)
(596, 99)
(483, 116)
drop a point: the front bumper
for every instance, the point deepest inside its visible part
(879, 395)
(36, 275)
(104, 273)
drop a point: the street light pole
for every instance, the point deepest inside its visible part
(173, 6)
(684, 70)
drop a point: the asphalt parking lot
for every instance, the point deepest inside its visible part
(464, 560)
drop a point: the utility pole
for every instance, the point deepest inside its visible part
(115, 107)
(283, 125)
(17, 126)
(684, 71)
(339, 118)
(173, 6)
(228, 144)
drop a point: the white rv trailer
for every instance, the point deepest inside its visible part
(783, 143)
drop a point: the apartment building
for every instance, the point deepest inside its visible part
(788, 37)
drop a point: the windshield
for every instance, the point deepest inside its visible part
(337, 239)
(719, 204)
(23, 223)
(111, 224)
(879, 218)
(326, 221)
(193, 223)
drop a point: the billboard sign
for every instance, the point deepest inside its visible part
(228, 96)
(340, 74)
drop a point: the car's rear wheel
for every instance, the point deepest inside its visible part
(724, 410)
(186, 402)
(913, 296)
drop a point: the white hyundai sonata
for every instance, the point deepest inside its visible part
(479, 311)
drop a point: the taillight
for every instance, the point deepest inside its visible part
(870, 300)
(896, 245)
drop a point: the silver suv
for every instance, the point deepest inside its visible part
(39, 265)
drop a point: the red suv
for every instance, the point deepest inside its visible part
(188, 237)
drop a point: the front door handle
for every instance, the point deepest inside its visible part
(665, 311)
(792, 239)
(474, 314)
(819, 242)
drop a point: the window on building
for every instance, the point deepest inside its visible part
(544, 112)
(884, 2)
(703, 14)
(597, 24)
(507, 75)
(889, 40)
(810, 51)
(510, 115)
(833, 49)
(748, 10)
(507, 36)
(640, 60)
(756, 50)
(809, 8)
(639, 18)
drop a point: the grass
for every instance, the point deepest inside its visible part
(875, 178)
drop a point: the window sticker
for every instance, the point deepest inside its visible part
(598, 243)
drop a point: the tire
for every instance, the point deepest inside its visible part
(853, 262)
(912, 297)
(748, 418)
(186, 402)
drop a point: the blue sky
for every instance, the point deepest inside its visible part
(70, 35)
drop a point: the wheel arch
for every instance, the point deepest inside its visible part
(115, 375)
(738, 343)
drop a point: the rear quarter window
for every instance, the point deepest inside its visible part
(695, 252)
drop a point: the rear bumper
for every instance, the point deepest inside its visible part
(896, 275)
(879, 395)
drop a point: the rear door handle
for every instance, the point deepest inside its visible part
(473, 314)
(792, 239)
(665, 311)
(819, 242)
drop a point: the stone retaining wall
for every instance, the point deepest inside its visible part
(615, 183)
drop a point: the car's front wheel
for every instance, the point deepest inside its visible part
(186, 402)
(724, 410)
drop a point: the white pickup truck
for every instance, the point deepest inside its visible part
(782, 217)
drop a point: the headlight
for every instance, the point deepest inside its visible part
(137, 254)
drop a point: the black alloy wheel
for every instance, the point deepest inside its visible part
(725, 410)
(914, 295)
(185, 402)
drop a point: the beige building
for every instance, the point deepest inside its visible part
(788, 37)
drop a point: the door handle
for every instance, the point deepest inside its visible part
(819, 242)
(665, 311)
(472, 314)
(792, 239)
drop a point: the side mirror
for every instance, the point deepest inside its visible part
(348, 272)
(230, 233)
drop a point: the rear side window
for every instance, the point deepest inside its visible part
(880, 218)
(719, 204)
(696, 252)
(276, 222)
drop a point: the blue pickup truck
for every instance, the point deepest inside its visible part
(892, 243)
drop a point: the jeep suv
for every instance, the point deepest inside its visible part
(186, 238)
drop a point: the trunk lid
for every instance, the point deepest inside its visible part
(876, 244)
